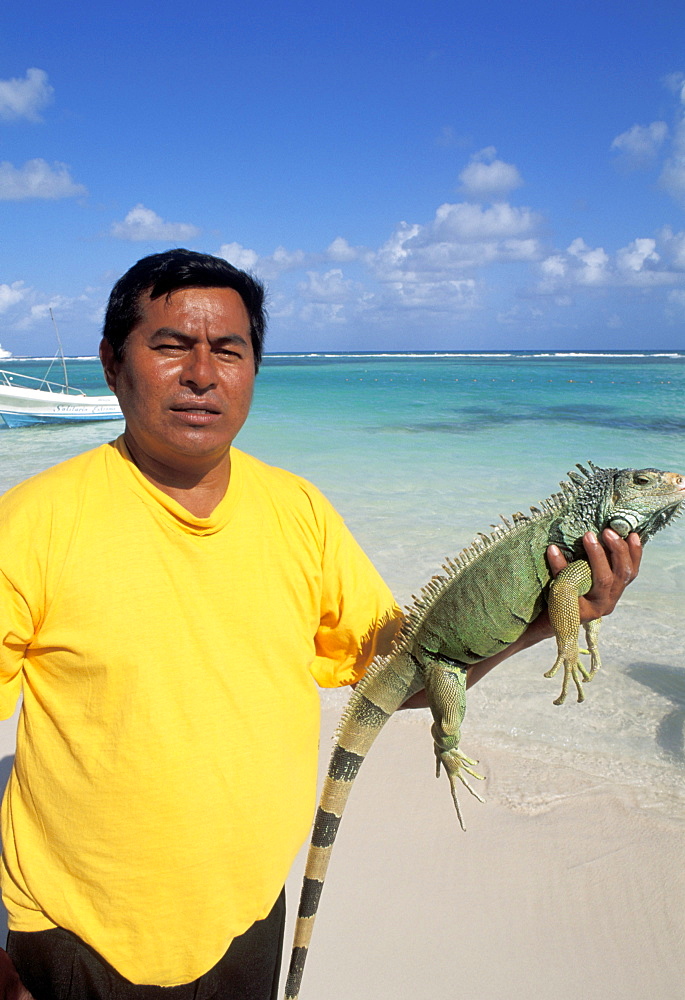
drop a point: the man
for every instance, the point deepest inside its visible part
(175, 602)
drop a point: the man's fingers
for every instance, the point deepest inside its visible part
(602, 576)
(556, 560)
(614, 563)
(621, 557)
(635, 549)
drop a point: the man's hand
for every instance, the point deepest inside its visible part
(614, 563)
(11, 986)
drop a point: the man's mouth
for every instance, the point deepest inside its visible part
(195, 409)
(196, 415)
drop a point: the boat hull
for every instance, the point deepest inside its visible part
(25, 419)
(20, 407)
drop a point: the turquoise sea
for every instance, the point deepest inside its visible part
(419, 452)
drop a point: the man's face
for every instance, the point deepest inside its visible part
(186, 378)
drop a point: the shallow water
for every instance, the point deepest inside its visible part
(421, 452)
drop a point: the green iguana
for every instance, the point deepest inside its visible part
(483, 602)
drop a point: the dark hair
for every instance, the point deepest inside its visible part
(164, 273)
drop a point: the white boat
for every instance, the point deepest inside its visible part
(25, 400)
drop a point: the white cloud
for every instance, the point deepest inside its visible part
(593, 262)
(489, 178)
(416, 269)
(428, 265)
(37, 179)
(637, 265)
(461, 236)
(287, 260)
(396, 251)
(322, 314)
(468, 223)
(268, 267)
(340, 250)
(24, 98)
(328, 287)
(554, 267)
(640, 144)
(11, 295)
(519, 249)
(240, 256)
(637, 254)
(141, 224)
(450, 295)
(331, 298)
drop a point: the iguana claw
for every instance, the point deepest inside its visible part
(455, 763)
(573, 669)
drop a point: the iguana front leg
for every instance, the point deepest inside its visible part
(445, 685)
(562, 605)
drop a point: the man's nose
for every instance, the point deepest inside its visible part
(199, 371)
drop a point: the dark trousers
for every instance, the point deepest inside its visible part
(57, 965)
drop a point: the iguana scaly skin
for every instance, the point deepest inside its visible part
(483, 601)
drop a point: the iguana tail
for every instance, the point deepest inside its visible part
(388, 683)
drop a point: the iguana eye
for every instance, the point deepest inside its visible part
(642, 480)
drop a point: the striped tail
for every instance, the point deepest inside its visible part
(389, 682)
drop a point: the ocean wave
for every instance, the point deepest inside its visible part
(414, 355)
(67, 357)
(428, 355)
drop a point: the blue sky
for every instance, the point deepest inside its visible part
(402, 176)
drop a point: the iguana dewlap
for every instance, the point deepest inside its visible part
(481, 603)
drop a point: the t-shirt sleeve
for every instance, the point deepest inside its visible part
(359, 616)
(24, 541)
(17, 631)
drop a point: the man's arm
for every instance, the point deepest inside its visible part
(11, 987)
(614, 563)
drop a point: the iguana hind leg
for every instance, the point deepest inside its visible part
(446, 692)
(562, 605)
(591, 633)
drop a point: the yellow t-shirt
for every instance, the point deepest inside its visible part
(167, 746)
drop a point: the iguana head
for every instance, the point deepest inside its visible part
(642, 500)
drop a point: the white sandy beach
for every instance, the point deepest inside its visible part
(562, 887)
(570, 890)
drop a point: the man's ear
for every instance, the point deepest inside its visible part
(110, 365)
